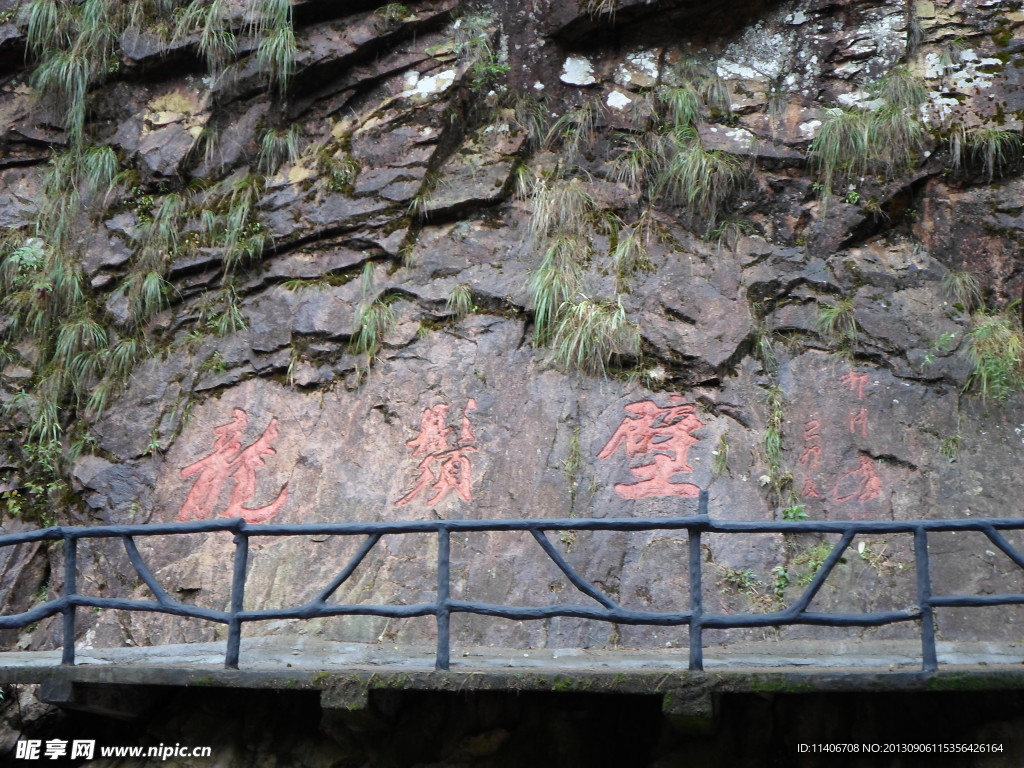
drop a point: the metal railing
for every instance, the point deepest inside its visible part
(444, 606)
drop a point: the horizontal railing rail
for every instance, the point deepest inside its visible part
(606, 608)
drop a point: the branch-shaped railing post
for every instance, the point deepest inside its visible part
(444, 551)
(697, 590)
(696, 604)
(70, 588)
(237, 600)
(929, 660)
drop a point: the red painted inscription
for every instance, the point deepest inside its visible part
(810, 490)
(858, 485)
(855, 382)
(859, 419)
(229, 461)
(811, 456)
(445, 465)
(861, 484)
(663, 436)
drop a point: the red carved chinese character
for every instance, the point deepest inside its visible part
(810, 490)
(467, 437)
(245, 467)
(861, 483)
(811, 429)
(445, 467)
(665, 436)
(859, 419)
(855, 382)
(214, 469)
(229, 461)
(811, 455)
(434, 431)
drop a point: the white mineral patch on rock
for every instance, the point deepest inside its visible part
(577, 71)
(428, 86)
(732, 69)
(850, 70)
(644, 61)
(618, 100)
(965, 75)
(640, 69)
(883, 37)
(740, 135)
(758, 54)
(810, 128)
(939, 108)
(933, 66)
(860, 99)
(861, 48)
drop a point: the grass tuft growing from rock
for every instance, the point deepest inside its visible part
(372, 321)
(886, 138)
(963, 289)
(699, 179)
(995, 348)
(837, 322)
(277, 147)
(460, 302)
(992, 149)
(556, 279)
(589, 335)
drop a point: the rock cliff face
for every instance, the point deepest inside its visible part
(514, 259)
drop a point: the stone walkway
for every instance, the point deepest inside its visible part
(347, 676)
(300, 652)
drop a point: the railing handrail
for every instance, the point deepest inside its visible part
(444, 605)
(704, 523)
